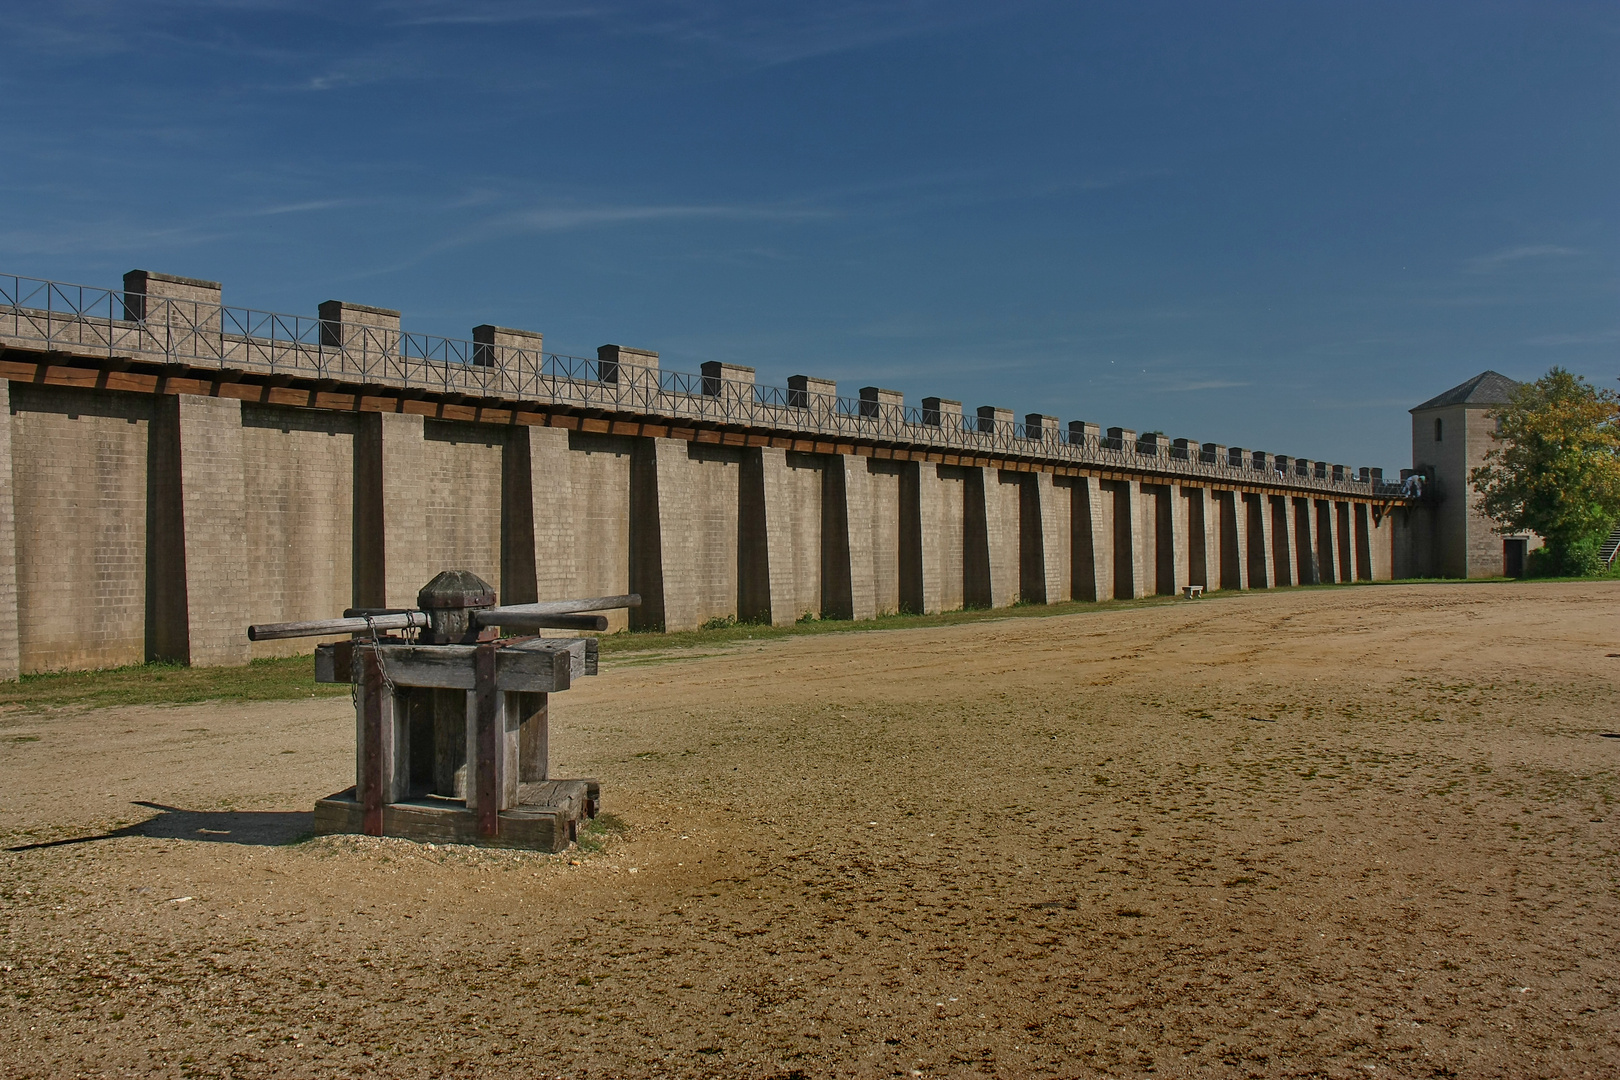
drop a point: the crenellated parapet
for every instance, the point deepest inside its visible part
(181, 323)
(207, 460)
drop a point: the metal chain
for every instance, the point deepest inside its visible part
(382, 668)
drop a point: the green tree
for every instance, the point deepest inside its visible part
(1555, 468)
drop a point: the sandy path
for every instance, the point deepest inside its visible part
(1034, 847)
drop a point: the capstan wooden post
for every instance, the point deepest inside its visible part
(534, 737)
(382, 740)
(371, 768)
(487, 707)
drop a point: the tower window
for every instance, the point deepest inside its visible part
(1437, 429)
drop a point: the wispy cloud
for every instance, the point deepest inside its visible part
(104, 238)
(99, 28)
(110, 237)
(563, 218)
(383, 63)
(1496, 260)
(1595, 337)
(1203, 384)
(567, 217)
(1156, 380)
(490, 12)
(1098, 181)
(1383, 404)
(298, 208)
(760, 35)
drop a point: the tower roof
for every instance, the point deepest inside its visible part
(1486, 388)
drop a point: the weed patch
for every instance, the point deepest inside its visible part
(598, 831)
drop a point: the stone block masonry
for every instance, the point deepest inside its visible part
(298, 468)
(1044, 572)
(684, 533)
(847, 584)
(1344, 542)
(1305, 540)
(203, 513)
(1204, 536)
(990, 541)
(388, 560)
(1448, 534)
(79, 485)
(1284, 541)
(428, 494)
(922, 547)
(883, 480)
(1233, 513)
(1130, 538)
(1090, 542)
(931, 529)
(1175, 557)
(10, 660)
(767, 540)
(152, 510)
(1262, 549)
(213, 575)
(581, 512)
(797, 500)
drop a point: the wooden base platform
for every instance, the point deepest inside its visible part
(547, 817)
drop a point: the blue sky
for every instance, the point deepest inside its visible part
(1275, 225)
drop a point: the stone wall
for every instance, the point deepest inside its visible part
(684, 512)
(800, 502)
(455, 504)
(298, 468)
(9, 659)
(579, 505)
(884, 480)
(158, 525)
(1045, 571)
(213, 497)
(943, 534)
(79, 485)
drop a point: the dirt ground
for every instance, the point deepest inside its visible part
(1338, 832)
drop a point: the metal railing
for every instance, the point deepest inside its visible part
(88, 322)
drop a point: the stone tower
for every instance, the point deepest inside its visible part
(1451, 434)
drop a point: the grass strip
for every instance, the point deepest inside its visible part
(726, 631)
(281, 679)
(291, 678)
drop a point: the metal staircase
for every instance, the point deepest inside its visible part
(1610, 547)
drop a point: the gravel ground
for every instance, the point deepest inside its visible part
(1337, 832)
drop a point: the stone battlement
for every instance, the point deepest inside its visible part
(172, 468)
(182, 323)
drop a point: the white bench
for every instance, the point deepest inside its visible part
(1193, 592)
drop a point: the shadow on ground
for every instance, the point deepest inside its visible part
(261, 828)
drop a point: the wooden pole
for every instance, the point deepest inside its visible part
(372, 777)
(487, 707)
(549, 622)
(326, 627)
(515, 614)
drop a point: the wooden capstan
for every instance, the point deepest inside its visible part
(451, 727)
